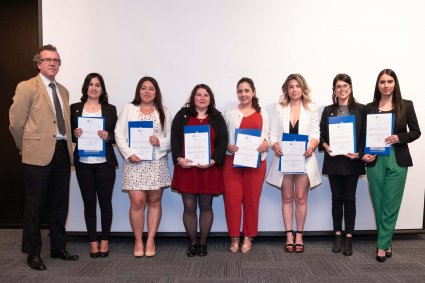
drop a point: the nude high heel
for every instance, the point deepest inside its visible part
(247, 245)
(234, 246)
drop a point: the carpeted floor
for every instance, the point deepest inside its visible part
(267, 262)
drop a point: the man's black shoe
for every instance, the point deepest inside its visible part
(62, 254)
(36, 263)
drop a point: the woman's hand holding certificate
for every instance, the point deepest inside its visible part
(294, 152)
(197, 144)
(342, 131)
(90, 142)
(248, 142)
(140, 143)
(379, 136)
(293, 159)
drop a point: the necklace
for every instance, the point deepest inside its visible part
(92, 106)
(202, 119)
(343, 110)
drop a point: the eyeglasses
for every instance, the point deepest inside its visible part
(344, 87)
(50, 60)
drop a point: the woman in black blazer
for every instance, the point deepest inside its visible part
(96, 174)
(343, 170)
(198, 183)
(387, 174)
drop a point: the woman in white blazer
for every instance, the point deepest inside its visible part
(295, 113)
(143, 179)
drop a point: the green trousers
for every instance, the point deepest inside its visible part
(386, 184)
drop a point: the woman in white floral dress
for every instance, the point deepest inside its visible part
(144, 180)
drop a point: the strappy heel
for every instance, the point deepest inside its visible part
(234, 245)
(290, 248)
(192, 250)
(247, 245)
(299, 248)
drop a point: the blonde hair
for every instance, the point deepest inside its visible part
(305, 98)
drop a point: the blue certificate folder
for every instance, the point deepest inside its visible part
(199, 129)
(251, 132)
(92, 153)
(138, 124)
(386, 150)
(346, 119)
(293, 137)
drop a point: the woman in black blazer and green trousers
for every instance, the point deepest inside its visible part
(387, 174)
(343, 170)
(96, 175)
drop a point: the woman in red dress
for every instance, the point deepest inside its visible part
(198, 183)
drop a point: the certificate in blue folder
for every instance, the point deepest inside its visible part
(197, 144)
(138, 138)
(294, 157)
(342, 134)
(90, 144)
(378, 128)
(247, 155)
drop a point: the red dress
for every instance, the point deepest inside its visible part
(195, 180)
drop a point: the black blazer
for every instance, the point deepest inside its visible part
(216, 121)
(401, 150)
(109, 112)
(341, 165)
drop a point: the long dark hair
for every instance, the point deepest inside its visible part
(255, 103)
(103, 98)
(191, 103)
(157, 101)
(397, 100)
(352, 103)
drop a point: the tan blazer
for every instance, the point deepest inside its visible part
(33, 121)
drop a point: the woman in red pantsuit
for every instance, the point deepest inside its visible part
(243, 186)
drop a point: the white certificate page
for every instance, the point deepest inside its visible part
(378, 128)
(341, 138)
(293, 159)
(139, 142)
(247, 154)
(196, 148)
(89, 139)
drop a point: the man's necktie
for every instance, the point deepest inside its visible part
(58, 108)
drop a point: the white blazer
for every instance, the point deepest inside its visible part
(308, 125)
(233, 118)
(131, 112)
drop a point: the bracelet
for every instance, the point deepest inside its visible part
(178, 159)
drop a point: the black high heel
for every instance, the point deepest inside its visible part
(94, 255)
(380, 258)
(299, 248)
(192, 250)
(104, 254)
(389, 252)
(290, 248)
(202, 249)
